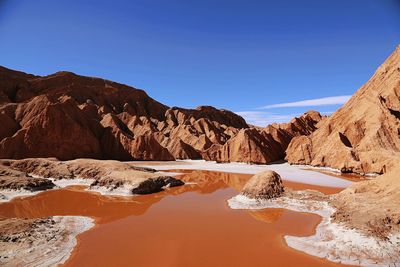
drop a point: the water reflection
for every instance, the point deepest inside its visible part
(266, 215)
(189, 225)
(75, 201)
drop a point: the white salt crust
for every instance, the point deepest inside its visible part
(288, 172)
(54, 251)
(332, 241)
(7, 194)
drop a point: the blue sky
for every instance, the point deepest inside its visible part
(247, 56)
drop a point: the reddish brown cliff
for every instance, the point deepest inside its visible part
(364, 135)
(263, 145)
(68, 116)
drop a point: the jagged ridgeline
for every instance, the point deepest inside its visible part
(68, 116)
(364, 135)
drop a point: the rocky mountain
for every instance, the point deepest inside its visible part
(364, 135)
(68, 116)
(257, 145)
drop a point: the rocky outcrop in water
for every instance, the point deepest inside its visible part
(363, 136)
(157, 184)
(264, 185)
(12, 179)
(68, 116)
(105, 176)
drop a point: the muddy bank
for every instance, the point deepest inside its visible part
(40, 242)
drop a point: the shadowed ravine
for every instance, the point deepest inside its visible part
(188, 225)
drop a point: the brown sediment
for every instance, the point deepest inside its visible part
(184, 226)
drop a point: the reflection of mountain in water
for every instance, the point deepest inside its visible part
(266, 215)
(209, 181)
(75, 201)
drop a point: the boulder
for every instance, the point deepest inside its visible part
(154, 185)
(264, 185)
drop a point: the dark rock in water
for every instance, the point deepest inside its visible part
(154, 185)
(143, 169)
(264, 185)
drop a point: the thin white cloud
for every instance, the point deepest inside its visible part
(260, 118)
(325, 101)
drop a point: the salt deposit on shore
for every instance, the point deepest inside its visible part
(8, 194)
(61, 183)
(48, 243)
(332, 241)
(123, 190)
(288, 172)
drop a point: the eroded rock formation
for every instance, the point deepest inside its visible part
(364, 135)
(68, 116)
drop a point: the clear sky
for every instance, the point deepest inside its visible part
(252, 57)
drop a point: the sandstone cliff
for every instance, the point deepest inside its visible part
(364, 135)
(68, 116)
(255, 145)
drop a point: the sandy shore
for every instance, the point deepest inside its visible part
(333, 241)
(40, 242)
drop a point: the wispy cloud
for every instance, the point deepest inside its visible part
(261, 118)
(264, 118)
(325, 101)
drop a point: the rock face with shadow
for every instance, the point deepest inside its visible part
(68, 116)
(363, 136)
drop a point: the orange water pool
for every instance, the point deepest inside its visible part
(184, 226)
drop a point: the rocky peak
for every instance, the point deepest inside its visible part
(363, 136)
(65, 115)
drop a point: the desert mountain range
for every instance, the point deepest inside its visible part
(68, 116)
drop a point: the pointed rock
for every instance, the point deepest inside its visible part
(363, 136)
